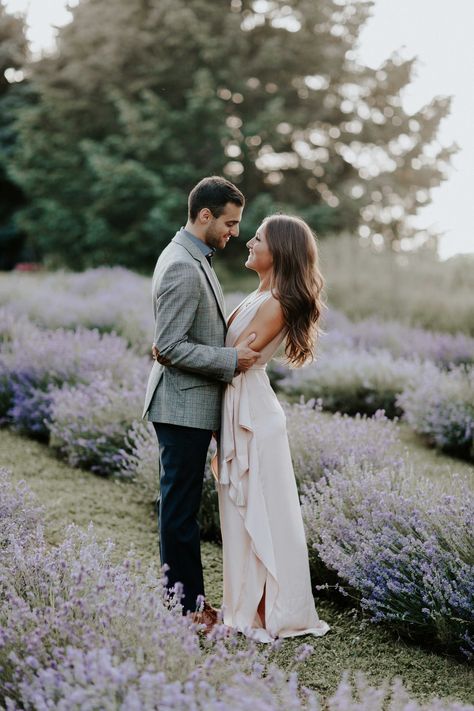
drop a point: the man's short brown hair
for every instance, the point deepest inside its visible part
(214, 193)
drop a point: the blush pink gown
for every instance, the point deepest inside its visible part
(264, 544)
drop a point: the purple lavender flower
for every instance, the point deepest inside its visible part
(77, 631)
(405, 553)
(440, 407)
(89, 422)
(83, 300)
(35, 364)
(322, 442)
(351, 381)
(443, 349)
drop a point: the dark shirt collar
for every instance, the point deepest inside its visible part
(205, 249)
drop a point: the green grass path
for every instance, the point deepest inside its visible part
(119, 512)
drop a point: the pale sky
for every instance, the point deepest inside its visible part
(440, 34)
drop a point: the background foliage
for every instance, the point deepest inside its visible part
(13, 54)
(142, 99)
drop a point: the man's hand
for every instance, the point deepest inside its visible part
(156, 356)
(246, 356)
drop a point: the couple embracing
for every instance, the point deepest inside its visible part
(209, 378)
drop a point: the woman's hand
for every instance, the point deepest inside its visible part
(155, 353)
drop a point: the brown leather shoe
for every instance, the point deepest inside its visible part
(208, 617)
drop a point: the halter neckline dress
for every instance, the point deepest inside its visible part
(264, 544)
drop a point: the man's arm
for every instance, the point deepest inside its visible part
(245, 356)
(177, 302)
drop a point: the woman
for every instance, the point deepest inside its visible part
(267, 589)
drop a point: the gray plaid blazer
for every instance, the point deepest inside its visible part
(190, 328)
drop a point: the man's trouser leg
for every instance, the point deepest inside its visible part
(183, 453)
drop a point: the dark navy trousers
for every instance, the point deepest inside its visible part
(183, 452)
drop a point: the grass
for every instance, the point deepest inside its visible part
(430, 462)
(119, 512)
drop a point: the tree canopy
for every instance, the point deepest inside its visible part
(13, 55)
(145, 97)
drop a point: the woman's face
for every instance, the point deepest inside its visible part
(260, 258)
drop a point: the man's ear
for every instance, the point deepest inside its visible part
(204, 216)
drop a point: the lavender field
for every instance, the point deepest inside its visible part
(389, 524)
(346, 115)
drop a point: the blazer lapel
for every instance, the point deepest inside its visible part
(195, 252)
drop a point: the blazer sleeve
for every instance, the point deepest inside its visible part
(177, 299)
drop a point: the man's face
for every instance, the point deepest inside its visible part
(221, 229)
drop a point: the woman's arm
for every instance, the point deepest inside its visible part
(267, 323)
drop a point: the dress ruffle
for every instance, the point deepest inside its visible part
(232, 462)
(236, 465)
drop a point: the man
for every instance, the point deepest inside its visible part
(183, 398)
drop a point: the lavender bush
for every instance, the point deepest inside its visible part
(98, 680)
(95, 680)
(89, 422)
(441, 408)
(361, 696)
(78, 632)
(405, 553)
(72, 595)
(12, 330)
(89, 300)
(36, 362)
(355, 381)
(12, 325)
(321, 442)
(140, 460)
(402, 341)
(417, 289)
(19, 513)
(372, 380)
(108, 299)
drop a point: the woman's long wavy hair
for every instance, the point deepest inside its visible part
(296, 282)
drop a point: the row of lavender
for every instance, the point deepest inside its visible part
(396, 543)
(118, 300)
(425, 376)
(77, 632)
(437, 402)
(79, 389)
(82, 391)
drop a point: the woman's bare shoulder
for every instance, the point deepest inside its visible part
(271, 309)
(266, 324)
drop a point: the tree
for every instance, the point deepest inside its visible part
(13, 55)
(145, 97)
